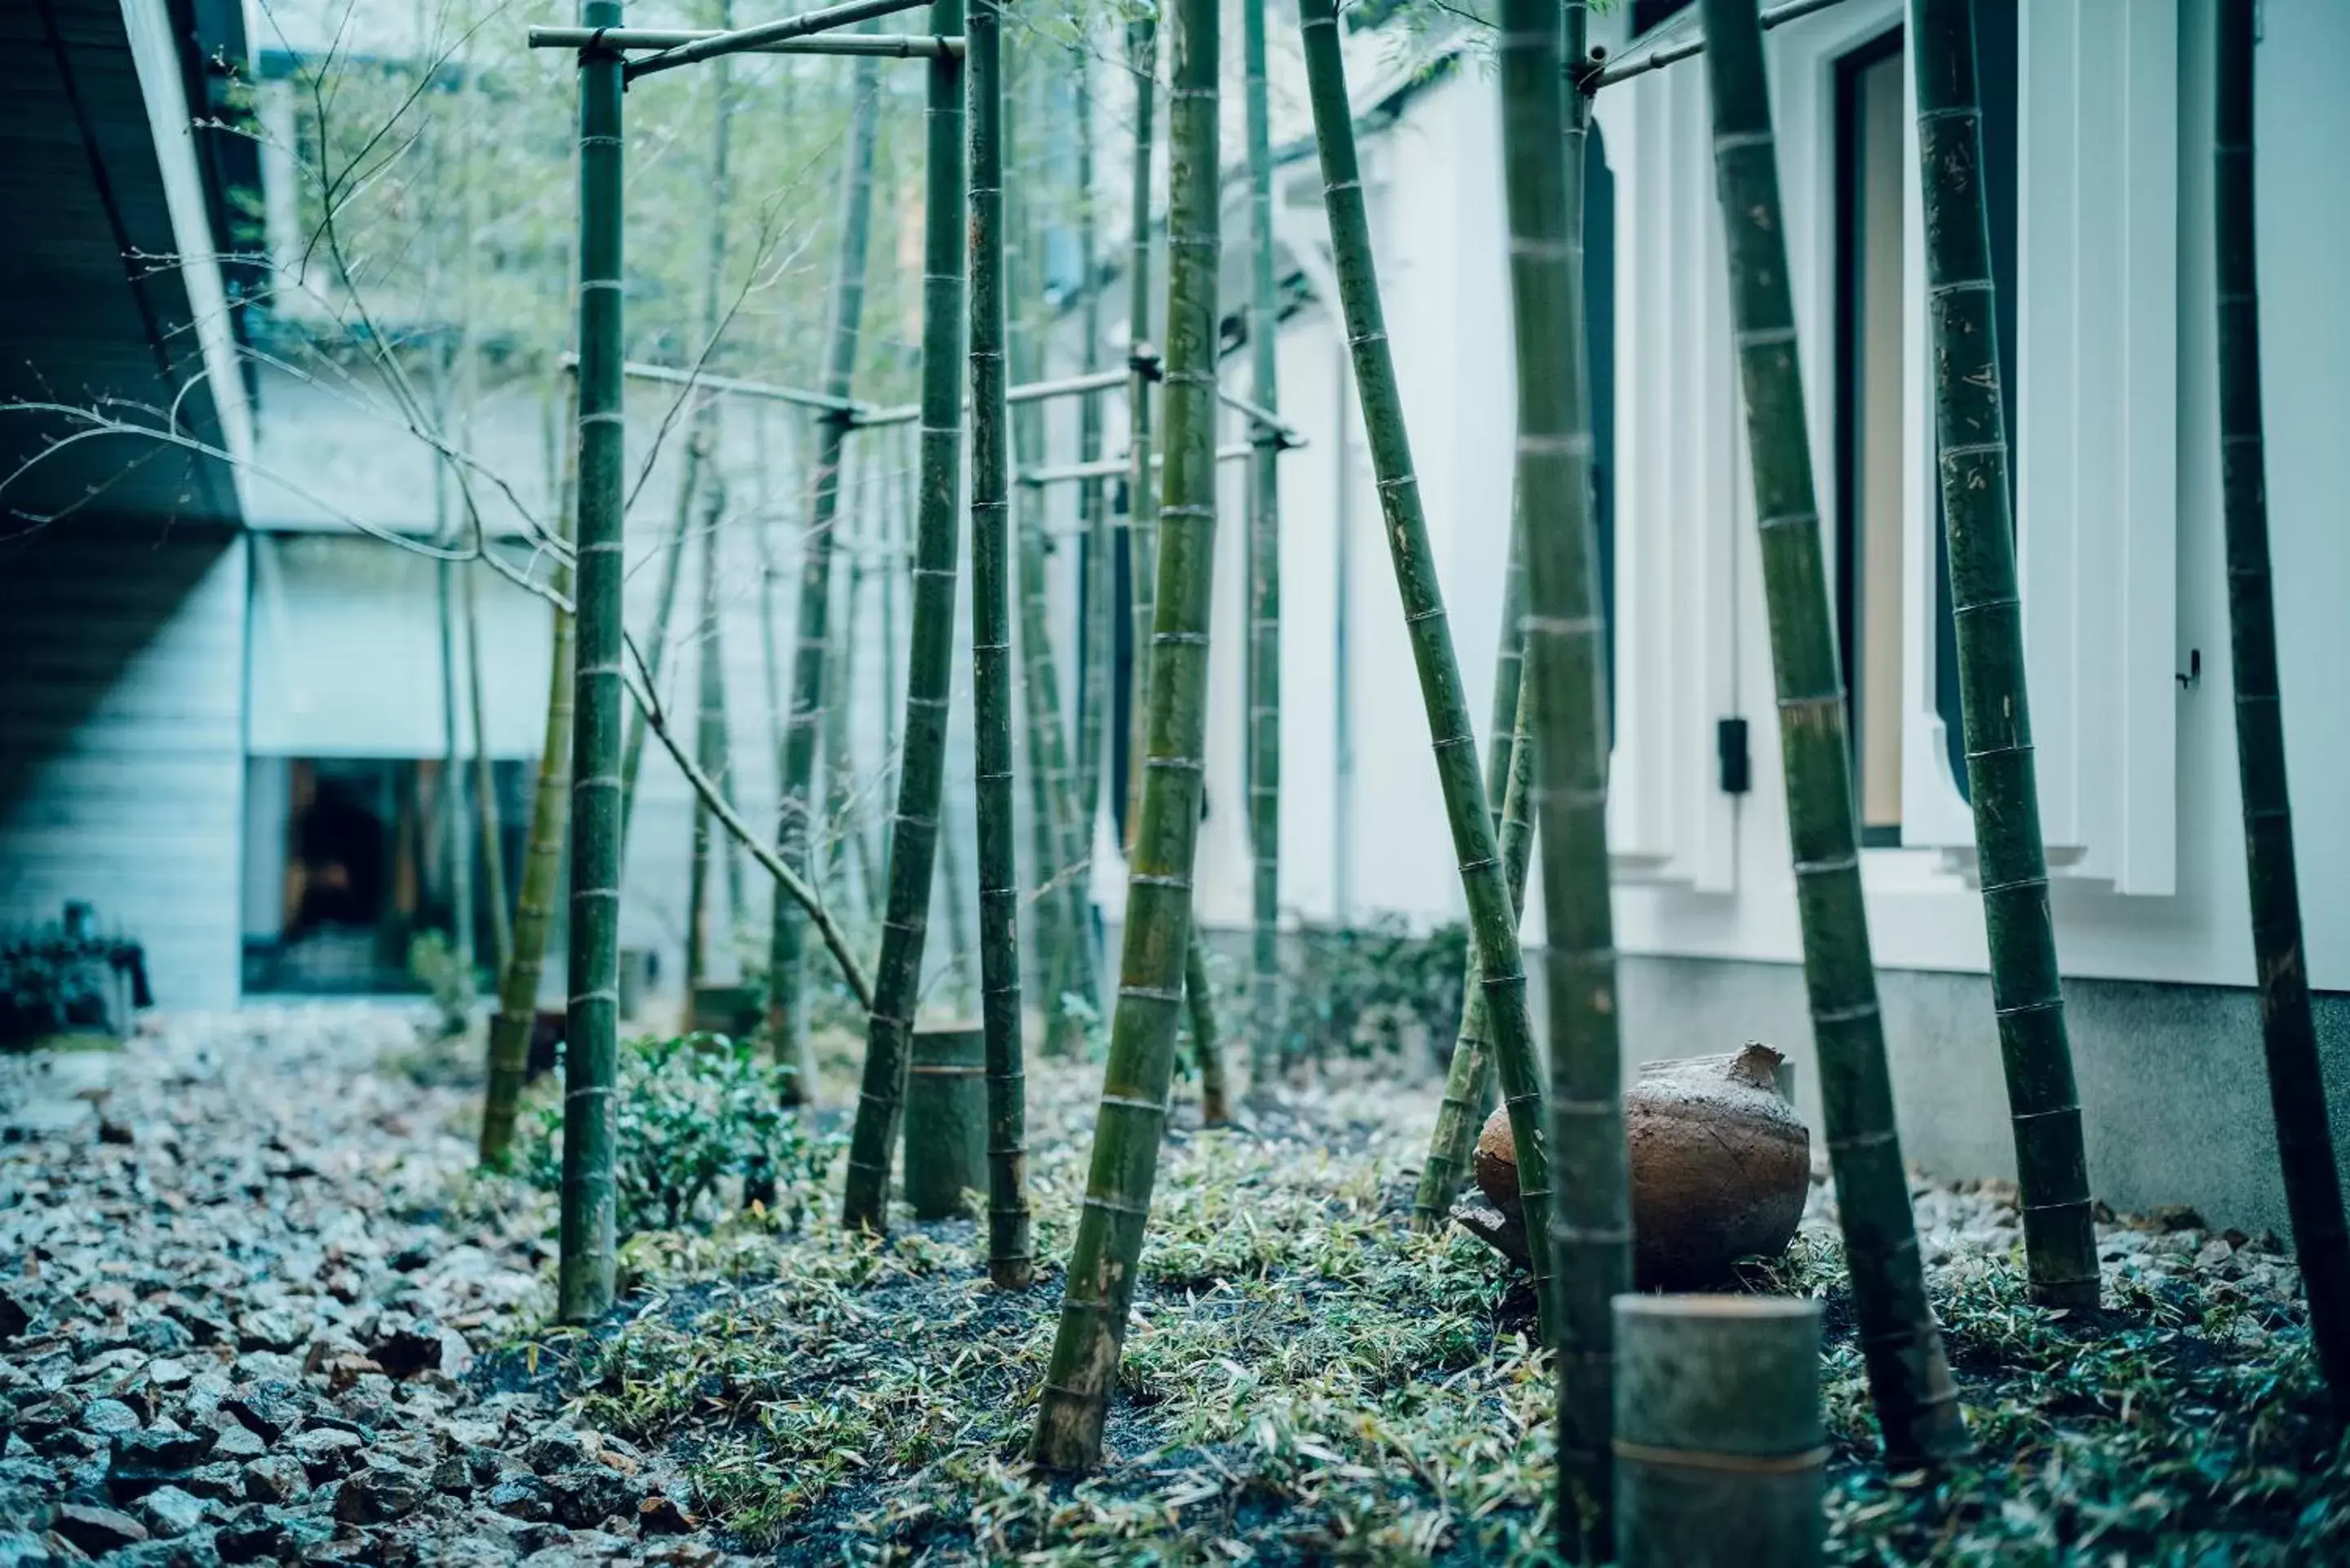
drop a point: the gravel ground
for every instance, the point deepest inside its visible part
(252, 1301)
(239, 1316)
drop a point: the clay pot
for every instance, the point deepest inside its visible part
(1720, 1164)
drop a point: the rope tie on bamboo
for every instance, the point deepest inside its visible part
(1151, 992)
(583, 893)
(1135, 1103)
(1958, 284)
(1876, 1138)
(1764, 338)
(2013, 885)
(1554, 445)
(1828, 865)
(1157, 880)
(1179, 764)
(2045, 1115)
(1112, 1206)
(588, 1092)
(2008, 601)
(1846, 1014)
(2018, 749)
(1830, 702)
(1975, 449)
(1734, 1464)
(601, 994)
(1740, 141)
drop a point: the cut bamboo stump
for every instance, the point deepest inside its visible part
(946, 1119)
(1718, 1446)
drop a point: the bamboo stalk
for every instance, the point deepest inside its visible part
(1265, 579)
(841, 831)
(709, 755)
(485, 786)
(786, 974)
(2060, 1238)
(1917, 1404)
(457, 838)
(1207, 1039)
(1062, 963)
(1453, 735)
(1095, 648)
(921, 780)
(656, 642)
(1011, 1252)
(1136, 1081)
(1543, 124)
(1141, 500)
(1469, 1078)
(2288, 1031)
(584, 1273)
(542, 865)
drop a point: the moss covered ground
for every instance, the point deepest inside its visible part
(1308, 1380)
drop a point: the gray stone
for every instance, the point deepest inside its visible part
(272, 1328)
(194, 1551)
(160, 1336)
(107, 1416)
(168, 1510)
(23, 1549)
(223, 1480)
(380, 1492)
(144, 1458)
(97, 1531)
(557, 1448)
(238, 1441)
(326, 1451)
(168, 1374)
(588, 1494)
(271, 1407)
(248, 1535)
(278, 1479)
(523, 1497)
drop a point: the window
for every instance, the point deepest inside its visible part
(1871, 166)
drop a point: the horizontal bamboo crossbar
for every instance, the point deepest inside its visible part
(1673, 53)
(735, 386)
(1118, 467)
(887, 45)
(687, 48)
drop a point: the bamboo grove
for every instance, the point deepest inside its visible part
(1534, 789)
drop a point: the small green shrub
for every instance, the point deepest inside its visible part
(1375, 990)
(433, 964)
(697, 1113)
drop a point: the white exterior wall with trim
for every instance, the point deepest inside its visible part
(2119, 518)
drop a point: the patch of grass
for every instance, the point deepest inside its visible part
(1308, 1380)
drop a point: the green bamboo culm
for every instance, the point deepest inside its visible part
(1469, 1077)
(787, 941)
(1062, 962)
(1494, 927)
(542, 863)
(2059, 1238)
(701, 435)
(2288, 1032)
(457, 836)
(1142, 492)
(1917, 1403)
(584, 1268)
(485, 784)
(929, 667)
(1207, 1038)
(1265, 577)
(709, 753)
(1139, 1073)
(1566, 671)
(1095, 650)
(1011, 1252)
